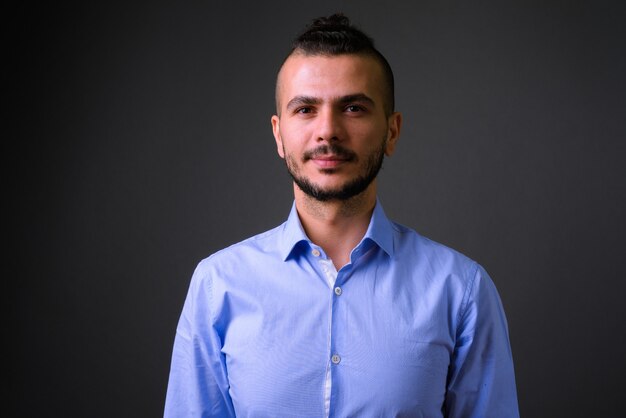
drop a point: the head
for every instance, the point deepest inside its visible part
(335, 120)
(333, 36)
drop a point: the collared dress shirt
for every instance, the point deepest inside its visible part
(408, 328)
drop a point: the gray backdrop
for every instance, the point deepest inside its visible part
(140, 143)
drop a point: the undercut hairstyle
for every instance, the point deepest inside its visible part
(335, 35)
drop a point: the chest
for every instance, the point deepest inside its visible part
(376, 339)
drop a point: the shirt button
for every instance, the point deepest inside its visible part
(316, 252)
(338, 291)
(335, 359)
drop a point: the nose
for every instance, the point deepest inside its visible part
(329, 127)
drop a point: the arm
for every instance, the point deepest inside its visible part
(198, 382)
(481, 380)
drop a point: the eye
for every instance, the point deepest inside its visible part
(354, 108)
(304, 110)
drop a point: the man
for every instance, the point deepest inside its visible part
(339, 312)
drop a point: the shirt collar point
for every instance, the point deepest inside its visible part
(380, 230)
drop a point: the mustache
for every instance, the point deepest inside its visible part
(333, 149)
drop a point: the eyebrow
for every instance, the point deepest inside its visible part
(310, 100)
(302, 100)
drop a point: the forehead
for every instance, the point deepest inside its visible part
(328, 77)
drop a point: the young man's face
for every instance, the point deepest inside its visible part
(331, 127)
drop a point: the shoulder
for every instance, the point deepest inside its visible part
(409, 243)
(243, 255)
(437, 264)
(444, 266)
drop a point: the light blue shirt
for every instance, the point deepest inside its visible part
(409, 328)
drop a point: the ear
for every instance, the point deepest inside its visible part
(277, 137)
(394, 123)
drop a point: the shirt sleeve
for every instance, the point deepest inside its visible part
(481, 380)
(198, 383)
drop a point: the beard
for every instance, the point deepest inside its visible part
(346, 191)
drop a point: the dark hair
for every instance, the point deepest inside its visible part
(334, 35)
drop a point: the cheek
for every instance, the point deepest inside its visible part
(292, 140)
(289, 152)
(370, 140)
(368, 130)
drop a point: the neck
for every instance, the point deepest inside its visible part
(336, 226)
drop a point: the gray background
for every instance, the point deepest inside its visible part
(140, 143)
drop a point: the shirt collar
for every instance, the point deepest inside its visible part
(379, 231)
(292, 234)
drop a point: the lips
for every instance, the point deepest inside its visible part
(329, 161)
(330, 158)
(329, 155)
